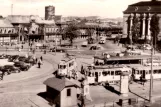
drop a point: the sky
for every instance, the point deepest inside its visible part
(102, 8)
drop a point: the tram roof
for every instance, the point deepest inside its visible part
(142, 67)
(136, 57)
(67, 59)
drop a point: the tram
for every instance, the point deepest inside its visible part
(67, 67)
(105, 74)
(145, 72)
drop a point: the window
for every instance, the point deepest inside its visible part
(62, 66)
(117, 72)
(112, 72)
(108, 72)
(68, 92)
(104, 73)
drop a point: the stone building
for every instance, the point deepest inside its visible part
(144, 10)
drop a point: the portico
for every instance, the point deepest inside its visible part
(143, 11)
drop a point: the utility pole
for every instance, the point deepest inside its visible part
(82, 97)
(151, 75)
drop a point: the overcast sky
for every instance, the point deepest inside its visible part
(102, 8)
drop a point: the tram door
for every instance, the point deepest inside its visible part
(144, 73)
(96, 75)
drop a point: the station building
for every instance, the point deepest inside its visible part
(144, 10)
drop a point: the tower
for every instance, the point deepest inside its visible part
(49, 12)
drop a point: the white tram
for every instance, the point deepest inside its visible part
(105, 74)
(67, 67)
(145, 72)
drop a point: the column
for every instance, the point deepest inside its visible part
(143, 26)
(131, 21)
(148, 30)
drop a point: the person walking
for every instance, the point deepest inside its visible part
(39, 63)
(41, 58)
(21, 46)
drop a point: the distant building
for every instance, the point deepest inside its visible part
(61, 92)
(144, 10)
(8, 33)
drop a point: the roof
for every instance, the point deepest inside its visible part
(147, 3)
(5, 23)
(136, 57)
(66, 59)
(58, 84)
(142, 67)
(144, 7)
(26, 19)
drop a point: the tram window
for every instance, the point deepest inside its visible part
(117, 72)
(145, 71)
(137, 71)
(159, 71)
(104, 73)
(70, 64)
(112, 72)
(62, 66)
(108, 72)
(99, 73)
(93, 74)
(141, 72)
(155, 71)
(149, 71)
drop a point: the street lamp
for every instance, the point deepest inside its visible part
(151, 74)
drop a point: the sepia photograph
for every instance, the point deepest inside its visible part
(80, 53)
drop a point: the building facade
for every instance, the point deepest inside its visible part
(144, 11)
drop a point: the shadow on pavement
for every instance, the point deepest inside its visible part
(112, 89)
(137, 94)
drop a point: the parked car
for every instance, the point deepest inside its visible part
(147, 47)
(30, 60)
(57, 50)
(24, 66)
(22, 58)
(94, 48)
(13, 58)
(10, 69)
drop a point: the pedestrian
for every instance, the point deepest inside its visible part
(39, 63)
(41, 58)
(36, 60)
(21, 46)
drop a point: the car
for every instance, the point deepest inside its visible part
(94, 48)
(10, 69)
(57, 50)
(18, 63)
(13, 58)
(22, 58)
(30, 60)
(24, 66)
(147, 47)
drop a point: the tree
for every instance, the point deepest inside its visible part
(154, 28)
(71, 32)
(135, 29)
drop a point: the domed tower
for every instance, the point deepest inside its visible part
(49, 12)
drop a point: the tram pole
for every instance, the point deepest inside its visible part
(151, 75)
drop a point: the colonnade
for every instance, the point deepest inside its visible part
(145, 24)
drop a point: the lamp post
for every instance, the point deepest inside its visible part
(151, 74)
